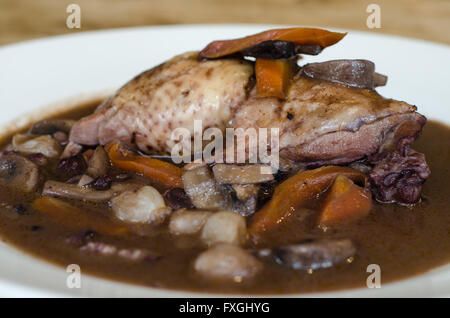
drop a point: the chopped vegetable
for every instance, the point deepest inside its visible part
(275, 50)
(18, 172)
(51, 126)
(177, 198)
(73, 191)
(226, 262)
(143, 206)
(225, 227)
(274, 76)
(295, 191)
(353, 73)
(187, 221)
(85, 180)
(345, 202)
(202, 189)
(159, 171)
(72, 217)
(314, 255)
(30, 144)
(305, 36)
(244, 198)
(98, 163)
(241, 174)
(72, 149)
(72, 166)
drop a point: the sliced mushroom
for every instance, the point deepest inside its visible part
(73, 191)
(242, 174)
(244, 198)
(98, 164)
(19, 173)
(353, 73)
(51, 126)
(29, 144)
(226, 262)
(202, 189)
(316, 254)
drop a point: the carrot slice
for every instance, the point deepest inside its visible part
(274, 76)
(305, 36)
(73, 217)
(159, 171)
(295, 191)
(346, 202)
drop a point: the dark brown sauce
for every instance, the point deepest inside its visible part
(403, 241)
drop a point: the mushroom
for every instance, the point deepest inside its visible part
(51, 126)
(313, 254)
(242, 174)
(72, 149)
(244, 198)
(353, 73)
(29, 144)
(203, 190)
(19, 173)
(98, 164)
(73, 191)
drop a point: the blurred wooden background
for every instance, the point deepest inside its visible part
(27, 19)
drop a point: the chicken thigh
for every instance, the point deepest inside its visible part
(147, 109)
(319, 122)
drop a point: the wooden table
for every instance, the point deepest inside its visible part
(27, 19)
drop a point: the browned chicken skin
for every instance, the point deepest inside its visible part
(326, 123)
(147, 109)
(320, 122)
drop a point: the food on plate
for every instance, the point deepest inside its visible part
(349, 187)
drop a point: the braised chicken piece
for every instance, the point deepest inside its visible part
(320, 122)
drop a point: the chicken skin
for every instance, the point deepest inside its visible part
(147, 109)
(319, 122)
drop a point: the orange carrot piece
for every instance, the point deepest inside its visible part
(295, 191)
(73, 217)
(159, 171)
(305, 36)
(346, 202)
(273, 77)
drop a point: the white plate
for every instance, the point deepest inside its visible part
(47, 71)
